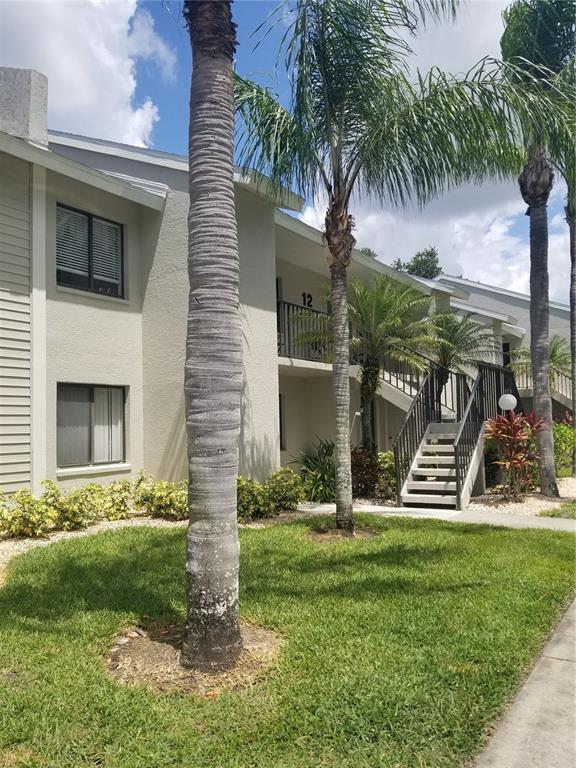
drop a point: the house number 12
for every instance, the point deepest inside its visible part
(307, 299)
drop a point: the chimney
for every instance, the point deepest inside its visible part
(23, 104)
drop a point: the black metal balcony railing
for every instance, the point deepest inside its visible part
(297, 326)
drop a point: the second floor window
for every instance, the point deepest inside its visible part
(88, 252)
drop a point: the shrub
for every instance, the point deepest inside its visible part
(116, 500)
(74, 509)
(22, 514)
(386, 484)
(318, 471)
(285, 489)
(365, 472)
(253, 500)
(161, 498)
(563, 445)
(513, 435)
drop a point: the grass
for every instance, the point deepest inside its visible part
(399, 650)
(568, 509)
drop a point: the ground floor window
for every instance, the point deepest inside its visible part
(90, 425)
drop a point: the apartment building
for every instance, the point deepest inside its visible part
(93, 305)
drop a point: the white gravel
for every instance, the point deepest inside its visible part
(531, 504)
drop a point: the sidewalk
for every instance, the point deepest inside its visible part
(539, 729)
(468, 516)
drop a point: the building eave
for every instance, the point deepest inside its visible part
(251, 180)
(45, 158)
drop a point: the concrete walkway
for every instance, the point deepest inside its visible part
(468, 516)
(539, 729)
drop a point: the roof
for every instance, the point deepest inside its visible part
(495, 289)
(52, 161)
(299, 227)
(465, 306)
(252, 180)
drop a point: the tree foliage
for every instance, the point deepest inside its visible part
(424, 263)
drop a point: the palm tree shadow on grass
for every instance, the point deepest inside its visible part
(138, 575)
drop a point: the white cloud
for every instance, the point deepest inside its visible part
(480, 231)
(89, 51)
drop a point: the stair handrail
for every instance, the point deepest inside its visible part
(468, 434)
(423, 410)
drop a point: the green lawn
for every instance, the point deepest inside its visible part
(399, 650)
(568, 509)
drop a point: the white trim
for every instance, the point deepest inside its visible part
(465, 306)
(59, 164)
(476, 463)
(495, 289)
(91, 295)
(252, 180)
(38, 360)
(93, 469)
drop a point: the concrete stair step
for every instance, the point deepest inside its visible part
(431, 485)
(443, 500)
(428, 460)
(439, 448)
(435, 471)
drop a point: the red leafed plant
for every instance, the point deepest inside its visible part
(514, 437)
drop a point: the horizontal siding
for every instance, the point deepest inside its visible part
(15, 335)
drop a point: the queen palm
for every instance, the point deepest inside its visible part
(356, 123)
(213, 368)
(539, 34)
(386, 320)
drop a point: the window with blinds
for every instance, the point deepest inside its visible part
(90, 425)
(88, 252)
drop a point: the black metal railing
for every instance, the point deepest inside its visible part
(302, 332)
(497, 381)
(468, 434)
(425, 409)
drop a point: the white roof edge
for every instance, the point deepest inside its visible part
(54, 162)
(252, 180)
(299, 227)
(475, 310)
(514, 330)
(496, 289)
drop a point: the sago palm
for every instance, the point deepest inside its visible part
(356, 123)
(539, 36)
(213, 368)
(386, 320)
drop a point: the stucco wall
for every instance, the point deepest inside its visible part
(296, 281)
(164, 333)
(94, 339)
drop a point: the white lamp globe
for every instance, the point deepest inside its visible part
(507, 402)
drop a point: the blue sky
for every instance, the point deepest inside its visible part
(255, 61)
(120, 70)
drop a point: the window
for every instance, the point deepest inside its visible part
(90, 423)
(88, 252)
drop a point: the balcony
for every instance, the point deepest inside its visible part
(560, 382)
(296, 326)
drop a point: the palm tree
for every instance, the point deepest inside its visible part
(564, 159)
(213, 368)
(459, 342)
(539, 36)
(559, 355)
(357, 123)
(386, 320)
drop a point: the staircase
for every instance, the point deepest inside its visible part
(431, 480)
(439, 450)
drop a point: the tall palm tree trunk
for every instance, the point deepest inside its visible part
(340, 243)
(571, 219)
(213, 368)
(535, 185)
